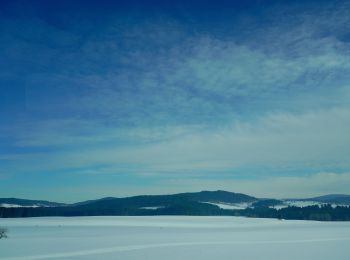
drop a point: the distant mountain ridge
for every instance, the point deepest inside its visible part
(332, 198)
(203, 203)
(165, 202)
(29, 203)
(140, 201)
(219, 196)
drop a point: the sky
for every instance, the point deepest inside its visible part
(119, 98)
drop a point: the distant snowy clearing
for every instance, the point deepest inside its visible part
(230, 205)
(168, 237)
(303, 204)
(6, 205)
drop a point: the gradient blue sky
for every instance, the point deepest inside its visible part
(102, 98)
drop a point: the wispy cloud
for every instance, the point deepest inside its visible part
(317, 139)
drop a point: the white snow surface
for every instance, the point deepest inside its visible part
(172, 238)
(6, 205)
(222, 205)
(153, 208)
(302, 204)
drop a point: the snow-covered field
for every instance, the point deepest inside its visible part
(173, 238)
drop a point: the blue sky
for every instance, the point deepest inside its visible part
(102, 98)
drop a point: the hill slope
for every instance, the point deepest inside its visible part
(333, 198)
(14, 202)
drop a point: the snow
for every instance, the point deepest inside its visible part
(280, 206)
(153, 208)
(301, 204)
(6, 205)
(339, 205)
(172, 238)
(230, 205)
(297, 203)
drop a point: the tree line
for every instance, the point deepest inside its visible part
(184, 207)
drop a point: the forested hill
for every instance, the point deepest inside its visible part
(14, 202)
(205, 203)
